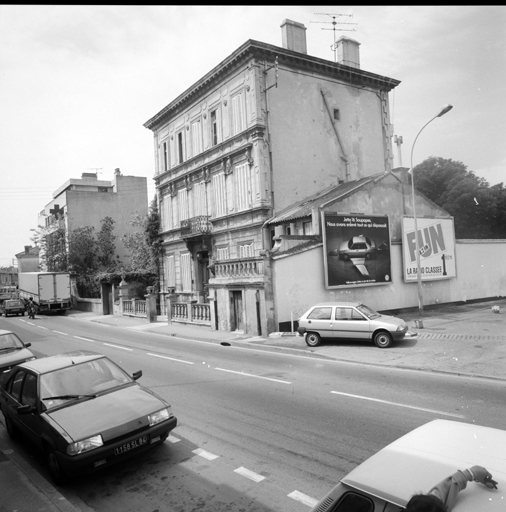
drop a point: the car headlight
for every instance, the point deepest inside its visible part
(402, 327)
(85, 445)
(158, 417)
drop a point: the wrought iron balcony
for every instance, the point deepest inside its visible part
(196, 226)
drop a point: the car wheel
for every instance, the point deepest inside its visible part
(23, 313)
(11, 429)
(313, 339)
(382, 339)
(57, 474)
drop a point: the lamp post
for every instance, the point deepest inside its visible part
(446, 108)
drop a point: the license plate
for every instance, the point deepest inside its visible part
(130, 445)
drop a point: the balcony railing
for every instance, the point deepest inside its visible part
(134, 307)
(200, 225)
(242, 268)
(191, 312)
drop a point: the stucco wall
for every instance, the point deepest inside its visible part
(306, 154)
(480, 274)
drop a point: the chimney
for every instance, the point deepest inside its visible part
(27, 249)
(92, 175)
(117, 172)
(293, 36)
(348, 52)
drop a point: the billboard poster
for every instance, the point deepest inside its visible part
(436, 242)
(356, 250)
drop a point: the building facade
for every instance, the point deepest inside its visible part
(84, 202)
(264, 129)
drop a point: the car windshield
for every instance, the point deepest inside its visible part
(9, 341)
(13, 303)
(82, 380)
(368, 312)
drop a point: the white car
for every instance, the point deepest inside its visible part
(420, 460)
(350, 320)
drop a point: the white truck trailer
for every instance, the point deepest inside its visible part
(49, 290)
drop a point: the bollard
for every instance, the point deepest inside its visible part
(496, 309)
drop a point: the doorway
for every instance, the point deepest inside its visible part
(236, 311)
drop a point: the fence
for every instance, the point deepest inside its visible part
(135, 307)
(188, 312)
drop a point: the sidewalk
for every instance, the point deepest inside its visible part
(465, 339)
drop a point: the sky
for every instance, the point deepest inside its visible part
(77, 84)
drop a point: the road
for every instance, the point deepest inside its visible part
(258, 430)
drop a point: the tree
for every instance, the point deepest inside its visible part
(145, 244)
(107, 260)
(478, 210)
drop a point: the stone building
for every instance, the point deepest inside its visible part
(266, 128)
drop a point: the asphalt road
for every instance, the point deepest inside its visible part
(258, 430)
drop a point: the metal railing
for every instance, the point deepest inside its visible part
(200, 225)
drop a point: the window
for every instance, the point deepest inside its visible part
(180, 147)
(307, 228)
(321, 313)
(242, 187)
(165, 156)
(222, 253)
(170, 271)
(238, 113)
(213, 119)
(219, 195)
(353, 502)
(29, 394)
(344, 313)
(196, 131)
(199, 199)
(186, 272)
(183, 204)
(246, 250)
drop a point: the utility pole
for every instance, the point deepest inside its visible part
(335, 27)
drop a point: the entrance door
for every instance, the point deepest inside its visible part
(236, 318)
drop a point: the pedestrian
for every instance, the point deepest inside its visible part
(442, 497)
(32, 308)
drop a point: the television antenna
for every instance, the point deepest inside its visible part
(336, 26)
(96, 169)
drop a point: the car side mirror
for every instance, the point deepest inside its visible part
(137, 375)
(25, 409)
(28, 345)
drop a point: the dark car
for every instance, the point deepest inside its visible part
(84, 411)
(357, 247)
(12, 351)
(12, 307)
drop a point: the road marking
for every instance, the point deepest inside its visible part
(398, 405)
(249, 474)
(59, 332)
(29, 323)
(169, 358)
(85, 339)
(172, 439)
(303, 498)
(117, 346)
(40, 327)
(251, 375)
(206, 455)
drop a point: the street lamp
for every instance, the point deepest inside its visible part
(446, 108)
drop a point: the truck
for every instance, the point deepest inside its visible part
(50, 290)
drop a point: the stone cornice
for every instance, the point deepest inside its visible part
(257, 50)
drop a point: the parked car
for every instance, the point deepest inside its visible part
(350, 320)
(12, 307)
(417, 462)
(358, 247)
(12, 351)
(84, 411)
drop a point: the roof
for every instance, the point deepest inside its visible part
(258, 50)
(422, 458)
(56, 362)
(304, 208)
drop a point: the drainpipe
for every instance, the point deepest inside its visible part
(343, 156)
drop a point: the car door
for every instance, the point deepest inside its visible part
(320, 320)
(350, 324)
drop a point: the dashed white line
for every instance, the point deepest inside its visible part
(398, 404)
(169, 358)
(85, 339)
(117, 346)
(255, 376)
(206, 455)
(59, 332)
(249, 474)
(40, 327)
(303, 498)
